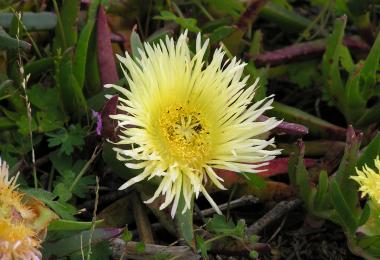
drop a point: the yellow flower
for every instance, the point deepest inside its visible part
(369, 181)
(181, 118)
(10, 199)
(17, 238)
(17, 241)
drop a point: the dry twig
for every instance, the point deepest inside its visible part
(273, 215)
(122, 250)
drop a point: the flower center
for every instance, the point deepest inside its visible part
(185, 136)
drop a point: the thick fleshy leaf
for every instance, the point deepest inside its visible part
(82, 50)
(330, 64)
(184, 222)
(315, 125)
(345, 214)
(109, 125)
(346, 169)
(286, 19)
(107, 66)
(136, 44)
(69, 245)
(31, 21)
(71, 93)
(371, 151)
(72, 225)
(8, 43)
(287, 128)
(66, 33)
(305, 49)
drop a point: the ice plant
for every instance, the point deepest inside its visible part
(18, 239)
(369, 181)
(180, 119)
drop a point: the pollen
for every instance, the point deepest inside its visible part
(184, 136)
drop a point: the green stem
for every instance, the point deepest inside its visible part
(204, 10)
(60, 25)
(86, 166)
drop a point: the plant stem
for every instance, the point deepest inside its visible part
(85, 167)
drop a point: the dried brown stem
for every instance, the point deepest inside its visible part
(123, 250)
(273, 215)
(142, 220)
(306, 49)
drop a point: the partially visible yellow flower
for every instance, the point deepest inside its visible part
(180, 119)
(10, 199)
(369, 181)
(18, 240)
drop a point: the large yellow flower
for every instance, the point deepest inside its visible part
(18, 240)
(181, 118)
(369, 181)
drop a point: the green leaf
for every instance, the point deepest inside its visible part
(186, 23)
(71, 225)
(255, 181)
(315, 125)
(67, 139)
(368, 74)
(83, 49)
(366, 242)
(345, 214)
(256, 43)
(9, 43)
(43, 98)
(322, 191)
(366, 213)
(220, 33)
(369, 220)
(202, 246)
(66, 32)
(347, 169)
(136, 45)
(140, 247)
(93, 85)
(38, 67)
(127, 235)
(64, 210)
(184, 221)
(62, 191)
(286, 19)
(229, 7)
(32, 21)
(99, 251)
(49, 121)
(71, 244)
(70, 91)
(330, 64)
(303, 182)
(304, 74)
(81, 53)
(219, 225)
(253, 254)
(23, 125)
(371, 151)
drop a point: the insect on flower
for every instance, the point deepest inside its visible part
(180, 119)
